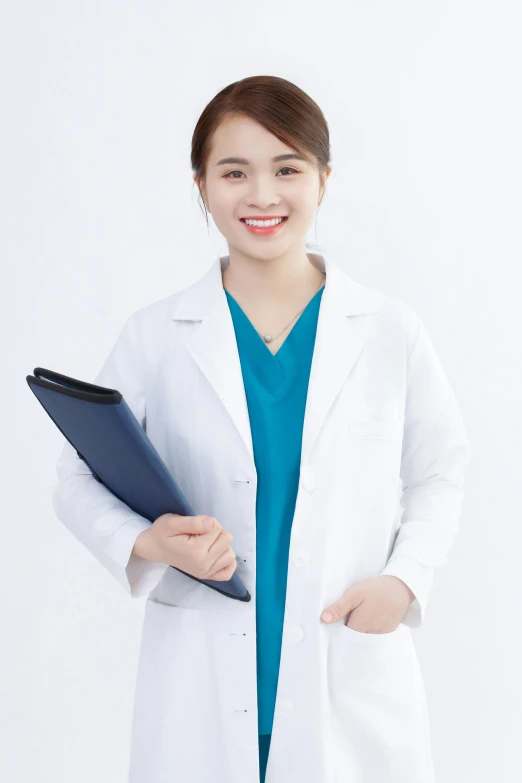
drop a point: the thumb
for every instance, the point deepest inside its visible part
(341, 607)
(189, 525)
(203, 524)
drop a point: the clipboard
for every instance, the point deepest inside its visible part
(109, 439)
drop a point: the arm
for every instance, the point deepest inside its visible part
(434, 453)
(105, 525)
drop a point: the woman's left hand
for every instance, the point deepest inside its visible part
(375, 605)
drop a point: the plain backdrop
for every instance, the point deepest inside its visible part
(99, 217)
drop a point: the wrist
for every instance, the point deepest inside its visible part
(140, 548)
(408, 591)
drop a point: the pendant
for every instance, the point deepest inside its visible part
(267, 338)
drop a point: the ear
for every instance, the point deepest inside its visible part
(324, 177)
(201, 188)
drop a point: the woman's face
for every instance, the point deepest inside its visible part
(258, 186)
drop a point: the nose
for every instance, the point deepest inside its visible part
(263, 193)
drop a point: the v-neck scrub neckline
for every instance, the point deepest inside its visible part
(272, 369)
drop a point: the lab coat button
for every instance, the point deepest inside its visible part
(295, 633)
(301, 557)
(308, 478)
(287, 707)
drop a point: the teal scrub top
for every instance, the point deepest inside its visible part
(276, 387)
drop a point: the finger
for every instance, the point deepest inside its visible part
(350, 599)
(334, 612)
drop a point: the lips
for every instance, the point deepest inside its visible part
(262, 231)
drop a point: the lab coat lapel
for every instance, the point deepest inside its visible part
(339, 340)
(213, 346)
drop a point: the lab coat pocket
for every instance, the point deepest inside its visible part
(372, 455)
(171, 693)
(378, 700)
(383, 664)
(376, 428)
(369, 636)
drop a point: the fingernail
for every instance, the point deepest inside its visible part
(326, 616)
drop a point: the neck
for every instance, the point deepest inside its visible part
(277, 279)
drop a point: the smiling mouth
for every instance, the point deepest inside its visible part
(283, 218)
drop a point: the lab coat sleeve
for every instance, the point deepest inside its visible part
(435, 451)
(105, 525)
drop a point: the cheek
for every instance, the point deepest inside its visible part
(222, 200)
(303, 201)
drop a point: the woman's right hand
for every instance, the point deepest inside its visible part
(185, 543)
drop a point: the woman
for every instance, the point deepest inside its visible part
(291, 403)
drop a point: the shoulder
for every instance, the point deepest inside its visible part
(160, 315)
(399, 313)
(150, 325)
(394, 316)
(156, 315)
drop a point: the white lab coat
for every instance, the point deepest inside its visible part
(380, 492)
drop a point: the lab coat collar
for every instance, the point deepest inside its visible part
(339, 341)
(351, 298)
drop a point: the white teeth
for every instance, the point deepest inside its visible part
(263, 223)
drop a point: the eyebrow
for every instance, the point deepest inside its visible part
(245, 162)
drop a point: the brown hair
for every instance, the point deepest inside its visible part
(279, 106)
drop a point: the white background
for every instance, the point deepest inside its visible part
(100, 217)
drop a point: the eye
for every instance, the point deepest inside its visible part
(285, 168)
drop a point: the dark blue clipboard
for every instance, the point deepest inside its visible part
(99, 424)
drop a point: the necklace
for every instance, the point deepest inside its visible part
(269, 337)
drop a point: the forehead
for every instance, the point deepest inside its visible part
(243, 137)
